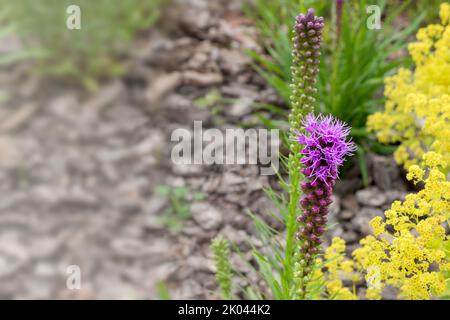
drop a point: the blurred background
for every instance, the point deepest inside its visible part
(85, 122)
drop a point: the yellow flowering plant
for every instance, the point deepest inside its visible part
(417, 111)
(339, 268)
(409, 246)
(409, 249)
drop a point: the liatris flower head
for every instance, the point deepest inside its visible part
(325, 146)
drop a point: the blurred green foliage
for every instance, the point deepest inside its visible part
(8, 29)
(179, 209)
(213, 101)
(90, 53)
(163, 291)
(428, 7)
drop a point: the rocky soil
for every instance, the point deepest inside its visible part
(79, 171)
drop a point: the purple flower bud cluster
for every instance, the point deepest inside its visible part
(308, 30)
(314, 203)
(325, 145)
(307, 40)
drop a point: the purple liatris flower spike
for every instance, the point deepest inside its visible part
(325, 145)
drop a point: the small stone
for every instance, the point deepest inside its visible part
(78, 197)
(14, 254)
(161, 86)
(10, 157)
(334, 207)
(189, 289)
(371, 197)
(362, 219)
(153, 223)
(187, 169)
(179, 109)
(18, 118)
(384, 171)
(231, 179)
(45, 269)
(155, 205)
(239, 237)
(240, 91)
(347, 186)
(192, 230)
(336, 231)
(109, 94)
(135, 248)
(347, 214)
(241, 108)
(239, 264)
(349, 236)
(349, 202)
(201, 78)
(207, 216)
(233, 61)
(393, 195)
(200, 263)
(195, 19)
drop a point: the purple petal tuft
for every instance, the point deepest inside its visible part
(326, 145)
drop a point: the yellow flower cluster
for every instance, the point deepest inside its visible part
(417, 111)
(338, 267)
(409, 246)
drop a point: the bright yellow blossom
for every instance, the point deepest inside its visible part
(415, 173)
(338, 268)
(411, 239)
(417, 111)
(444, 13)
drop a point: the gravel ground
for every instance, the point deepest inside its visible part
(79, 171)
